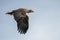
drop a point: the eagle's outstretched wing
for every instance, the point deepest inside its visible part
(23, 24)
(21, 18)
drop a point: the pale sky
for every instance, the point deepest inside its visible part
(44, 23)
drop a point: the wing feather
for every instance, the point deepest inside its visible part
(23, 24)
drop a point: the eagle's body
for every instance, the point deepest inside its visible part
(21, 18)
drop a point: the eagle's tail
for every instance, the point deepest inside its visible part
(10, 13)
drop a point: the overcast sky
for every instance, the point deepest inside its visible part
(44, 23)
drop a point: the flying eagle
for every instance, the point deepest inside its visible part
(21, 18)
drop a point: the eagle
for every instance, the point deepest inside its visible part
(21, 19)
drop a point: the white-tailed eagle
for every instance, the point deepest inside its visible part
(21, 18)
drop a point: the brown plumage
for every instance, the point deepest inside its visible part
(21, 18)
